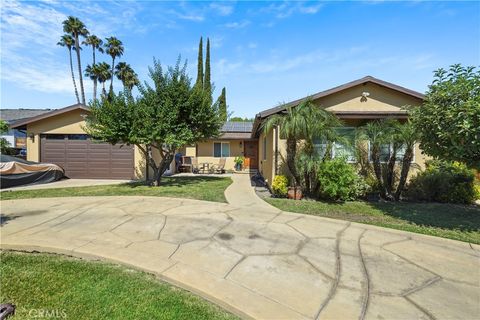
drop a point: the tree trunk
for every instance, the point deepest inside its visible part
(77, 49)
(406, 162)
(73, 75)
(164, 164)
(390, 174)
(291, 152)
(111, 80)
(95, 79)
(377, 169)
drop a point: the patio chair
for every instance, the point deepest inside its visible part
(186, 165)
(220, 167)
(195, 168)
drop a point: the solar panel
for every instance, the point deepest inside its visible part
(233, 126)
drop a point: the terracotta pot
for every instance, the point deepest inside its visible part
(294, 195)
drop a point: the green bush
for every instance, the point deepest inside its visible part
(446, 182)
(339, 181)
(280, 186)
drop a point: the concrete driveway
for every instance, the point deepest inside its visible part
(257, 261)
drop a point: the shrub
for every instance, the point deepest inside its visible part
(280, 186)
(339, 181)
(446, 182)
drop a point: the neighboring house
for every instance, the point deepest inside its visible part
(58, 136)
(355, 103)
(16, 137)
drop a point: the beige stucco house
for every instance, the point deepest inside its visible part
(355, 103)
(58, 136)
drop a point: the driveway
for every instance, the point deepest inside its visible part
(68, 183)
(258, 261)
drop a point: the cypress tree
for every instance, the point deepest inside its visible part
(222, 105)
(200, 65)
(207, 85)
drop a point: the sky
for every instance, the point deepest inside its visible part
(264, 53)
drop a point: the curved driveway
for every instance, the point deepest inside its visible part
(258, 261)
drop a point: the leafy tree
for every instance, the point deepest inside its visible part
(4, 144)
(207, 82)
(222, 105)
(68, 42)
(168, 114)
(114, 48)
(77, 29)
(449, 120)
(125, 73)
(199, 82)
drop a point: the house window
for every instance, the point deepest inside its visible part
(386, 150)
(221, 149)
(264, 151)
(340, 149)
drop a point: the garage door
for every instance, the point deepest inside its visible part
(82, 157)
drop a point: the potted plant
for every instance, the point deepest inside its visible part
(295, 193)
(239, 162)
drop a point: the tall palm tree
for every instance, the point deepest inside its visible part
(94, 72)
(97, 44)
(77, 29)
(103, 74)
(125, 73)
(67, 41)
(114, 48)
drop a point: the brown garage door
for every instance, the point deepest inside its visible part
(81, 157)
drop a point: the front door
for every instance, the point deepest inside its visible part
(251, 154)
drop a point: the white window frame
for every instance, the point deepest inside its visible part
(389, 151)
(221, 149)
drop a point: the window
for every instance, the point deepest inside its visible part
(264, 151)
(221, 149)
(340, 149)
(386, 150)
(55, 136)
(77, 137)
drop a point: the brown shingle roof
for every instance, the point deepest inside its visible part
(21, 123)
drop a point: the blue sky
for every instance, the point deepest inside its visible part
(264, 53)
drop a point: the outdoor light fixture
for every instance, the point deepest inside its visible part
(365, 94)
(32, 137)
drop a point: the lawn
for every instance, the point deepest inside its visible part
(80, 289)
(442, 220)
(200, 188)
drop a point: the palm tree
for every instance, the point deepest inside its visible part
(125, 73)
(103, 74)
(407, 135)
(76, 28)
(94, 72)
(97, 44)
(114, 48)
(67, 41)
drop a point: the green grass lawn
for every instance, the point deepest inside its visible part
(442, 220)
(201, 188)
(94, 290)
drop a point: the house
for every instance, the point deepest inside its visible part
(355, 103)
(235, 140)
(58, 136)
(16, 137)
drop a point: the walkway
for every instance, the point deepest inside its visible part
(257, 261)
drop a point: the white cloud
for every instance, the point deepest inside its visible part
(237, 24)
(224, 67)
(286, 9)
(222, 9)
